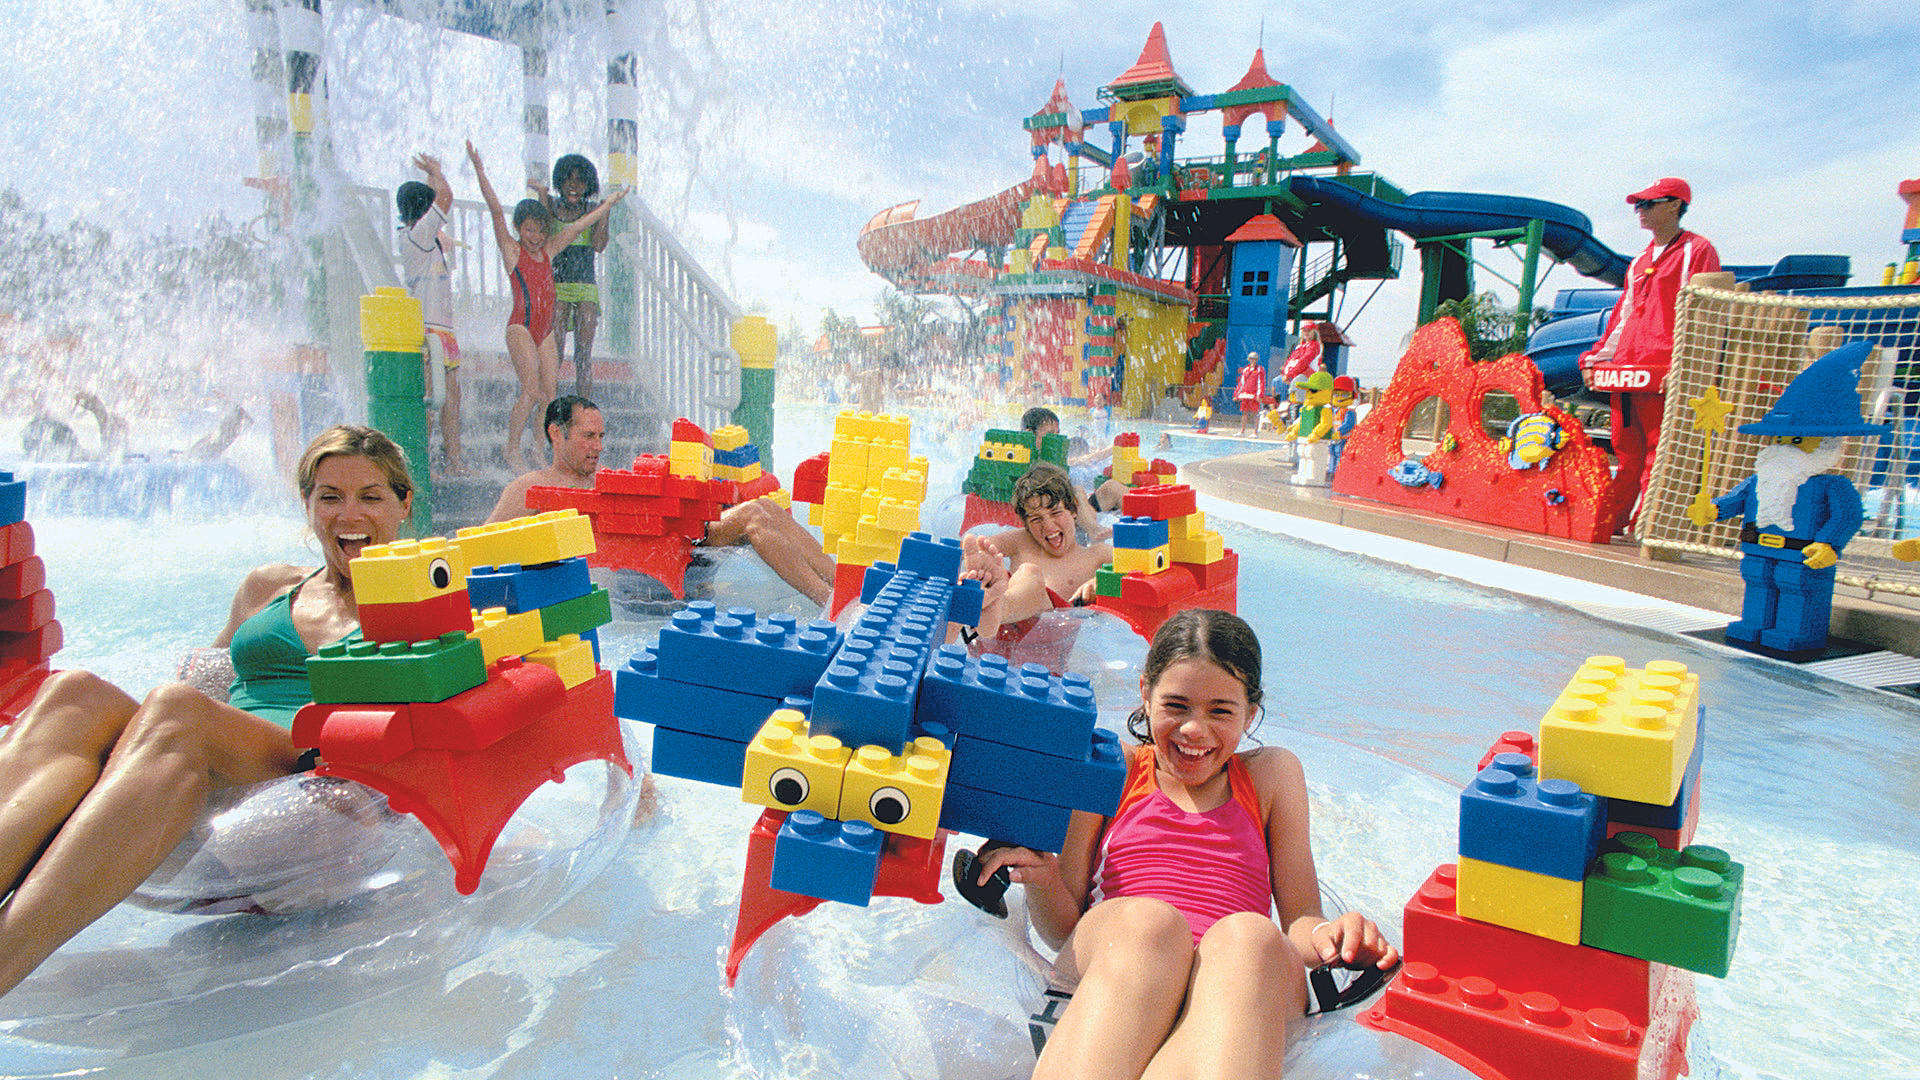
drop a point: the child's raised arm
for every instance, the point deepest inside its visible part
(436, 179)
(574, 228)
(509, 247)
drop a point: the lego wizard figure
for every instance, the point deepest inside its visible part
(1797, 514)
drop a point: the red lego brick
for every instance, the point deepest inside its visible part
(32, 646)
(1499, 1033)
(422, 620)
(546, 497)
(693, 528)
(765, 484)
(1167, 587)
(1511, 742)
(810, 479)
(662, 558)
(1433, 932)
(628, 481)
(24, 578)
(18, 685)
(629, 524)
(1127, 438)
(515, 694)
(1224, 571)
(356, 734)
(847, 580)
(1159, 501)
(685, 430)
(1162, 467)
(27, 613)
(16, 542)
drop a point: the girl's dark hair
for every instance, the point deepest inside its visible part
(532, 210)
(575, 165)
(1218, 637)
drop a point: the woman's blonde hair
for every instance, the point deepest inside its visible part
(354, 441)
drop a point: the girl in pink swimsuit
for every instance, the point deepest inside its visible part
(529, 261)
(1162, 913)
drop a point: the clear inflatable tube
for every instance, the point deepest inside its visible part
(297, 897)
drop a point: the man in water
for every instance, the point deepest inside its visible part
(575, 432)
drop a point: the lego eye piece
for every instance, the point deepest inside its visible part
(1160, 560)
(789, 787)
(439, 573)
(889, 805)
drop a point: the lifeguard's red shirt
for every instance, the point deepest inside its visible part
(1635, 352)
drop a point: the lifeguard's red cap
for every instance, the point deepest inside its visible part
(1667, 187)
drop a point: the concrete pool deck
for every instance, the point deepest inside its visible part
(1892, 628)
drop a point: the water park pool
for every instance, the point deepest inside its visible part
(1388, 681)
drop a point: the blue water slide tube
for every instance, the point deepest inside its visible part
(1567, 233)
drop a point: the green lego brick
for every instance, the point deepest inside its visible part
(1671, 907)
(355, 670)
(576, 616)
(1106, 582)
(1053, 448)
(395, 375)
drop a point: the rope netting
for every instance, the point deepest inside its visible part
(1747, 347)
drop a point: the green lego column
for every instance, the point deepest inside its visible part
(394, 336)
(754, 340)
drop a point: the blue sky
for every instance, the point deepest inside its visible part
(774, 129)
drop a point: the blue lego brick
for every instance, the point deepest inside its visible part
(526, 588)
(1003, 817)
(875, 579)
(984, 699)
(592, 637)
(938, 731)
(740, 458)
(867, 695)
(1654, 815)
(964, 608)
(831, 860)
(13, 500)
(1549, 827)
(930, 557)
(1139, 532)
(1091, 783)
(738, 650)
(641, 693)
(698, 757)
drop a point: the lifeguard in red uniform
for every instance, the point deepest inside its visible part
(1631, 359)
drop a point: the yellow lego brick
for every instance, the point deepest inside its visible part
(884, 454)
(1167, 477)
(1142, 560)
(749, 472)
(899, 515)
(893, 427)
(830, 543)
(871, 531)
(1536, 904)
(851, 552)
(901, 483)
(501, 634)
(726, 472)
(1208, 547)
(918, 463)
(753, 338)
(897, 793)
(782, 498)
(1187, 526)
(408, 571)
(854, 425)
(690, 459)
(390, 321)
(729, 437)
(840, 520)
(816, 513)
(843, 497)
(870, 502)
(1623, 733)
(529, 541)
(787, 769)
(571, 658)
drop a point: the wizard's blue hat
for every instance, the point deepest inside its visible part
(1822, 400)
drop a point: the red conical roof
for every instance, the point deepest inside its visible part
(1057, 101)
(1264, 227)
(1154, 67)
(1256, 77)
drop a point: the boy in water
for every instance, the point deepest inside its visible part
(1037, 568)
(423, 263)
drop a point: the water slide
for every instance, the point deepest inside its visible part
(1568, 233)
(912, 252)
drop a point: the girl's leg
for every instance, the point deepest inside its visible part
(450, 423)
(526, 368)
(563, 321)
(1131, 957)
(549, 371)
(1247, 995)
(586, 322)
(174, 749)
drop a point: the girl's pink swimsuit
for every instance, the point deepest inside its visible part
(1207, 865)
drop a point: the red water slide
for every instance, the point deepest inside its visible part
(915, 253)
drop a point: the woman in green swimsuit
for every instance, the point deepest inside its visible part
(96, 788)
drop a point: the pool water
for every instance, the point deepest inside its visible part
(1387, 681)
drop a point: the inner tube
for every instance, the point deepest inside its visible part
(729, 576)
(294, 898)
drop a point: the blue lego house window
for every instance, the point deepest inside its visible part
(1254, 283)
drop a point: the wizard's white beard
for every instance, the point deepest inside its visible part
(1779, 471)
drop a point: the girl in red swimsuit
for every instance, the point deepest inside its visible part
(529, 260)
(1161, 912)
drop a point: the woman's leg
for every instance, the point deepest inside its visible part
(50, 760)
(1131, 957)
(1247, 995)
(175, 748)
(526, 368)
(586, 322)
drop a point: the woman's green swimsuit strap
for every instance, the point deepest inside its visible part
(270, 662)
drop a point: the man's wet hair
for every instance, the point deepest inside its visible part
(561, 412)
(412, 201)
(1048, 482)
(1037, 417)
